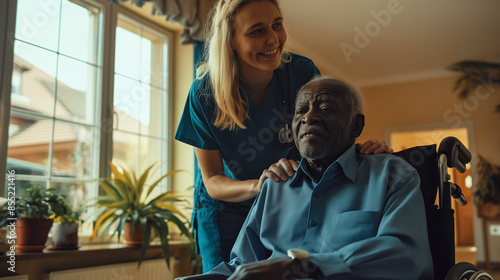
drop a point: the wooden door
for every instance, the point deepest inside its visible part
(463, 214)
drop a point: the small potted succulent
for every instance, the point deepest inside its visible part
(129, 207)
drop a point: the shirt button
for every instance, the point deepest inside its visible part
(313, 223)
(317, 194)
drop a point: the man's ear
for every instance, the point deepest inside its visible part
(357, 125)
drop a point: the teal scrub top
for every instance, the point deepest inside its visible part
(245, 152)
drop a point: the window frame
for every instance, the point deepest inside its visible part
(106, 31)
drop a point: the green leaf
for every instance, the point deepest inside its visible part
(151, 188)
(111, 190)
(162, 228)
(119, 228)
(145, 243)
(142, 181)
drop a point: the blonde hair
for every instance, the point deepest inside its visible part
(222, 65)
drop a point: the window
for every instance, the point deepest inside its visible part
(139, 135)
(61, 79)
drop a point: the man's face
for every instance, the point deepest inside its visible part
(322, 125)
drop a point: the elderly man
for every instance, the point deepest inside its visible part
(343, 215)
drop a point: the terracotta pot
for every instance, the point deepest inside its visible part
(64, 235)
(137, 235)
(488, 210)
(32, 234)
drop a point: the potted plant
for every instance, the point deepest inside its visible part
(33, 209)
(128, 206)
(64, 231)
(487, 192)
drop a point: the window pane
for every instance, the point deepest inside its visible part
(152, 113)
(150, 150)
(153, 70)
(37, 69)
(138, 153)
(76, 193)
(128, 52)
(37, 22)
(146, 61)
(28, 149)
(126, 149)
(72, 150)
(78, 32)
(21, 183)
(76, 90)
(140, 97)
(129, 94)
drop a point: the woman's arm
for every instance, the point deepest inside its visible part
(285, 168)
(219, 186)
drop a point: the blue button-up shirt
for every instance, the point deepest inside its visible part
(364, 218)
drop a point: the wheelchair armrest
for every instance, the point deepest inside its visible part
(204, 277)
(456, 153)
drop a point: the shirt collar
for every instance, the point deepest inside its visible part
(348, 162)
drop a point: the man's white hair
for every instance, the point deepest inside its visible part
(353, 97)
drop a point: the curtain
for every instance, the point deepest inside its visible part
(190, 14)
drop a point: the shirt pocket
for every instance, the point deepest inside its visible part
(354, 226)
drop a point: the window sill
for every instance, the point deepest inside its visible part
(38, 265)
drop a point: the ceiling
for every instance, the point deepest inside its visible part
(371, 42)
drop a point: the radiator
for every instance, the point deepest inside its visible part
(149, 270)
(17, 277)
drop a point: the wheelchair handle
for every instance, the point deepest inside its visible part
(457, 154)
(453, 154)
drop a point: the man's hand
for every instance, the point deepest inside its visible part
(283, 268)
(279, 269)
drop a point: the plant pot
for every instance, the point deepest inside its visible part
(64, 236)
(488, 210)
(137, 235)
(32, 234)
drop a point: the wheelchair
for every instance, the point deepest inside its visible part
(432, 168)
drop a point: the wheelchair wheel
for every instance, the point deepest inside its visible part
(461, 271)
(481, 275)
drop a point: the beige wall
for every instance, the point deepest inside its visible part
(182, 154)
(433, 103)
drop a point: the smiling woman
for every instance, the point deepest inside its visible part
(258, 42)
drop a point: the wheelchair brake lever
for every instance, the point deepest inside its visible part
(456, 193)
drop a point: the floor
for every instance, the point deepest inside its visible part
(468, 254)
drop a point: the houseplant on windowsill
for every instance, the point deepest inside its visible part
(33, 210)
(487, 191)
(127, 206)
(64, 230)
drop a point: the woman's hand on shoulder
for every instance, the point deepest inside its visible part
(281, 170)
(373, 146)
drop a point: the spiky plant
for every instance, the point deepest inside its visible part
(128, 199)
(475, 74)
(488, 185)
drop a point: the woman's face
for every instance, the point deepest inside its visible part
(259, 37)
